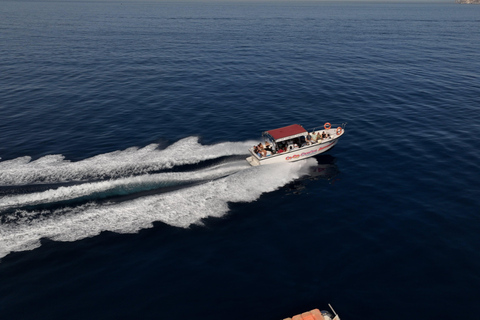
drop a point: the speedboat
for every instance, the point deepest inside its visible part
(316, 314)
(294, 143)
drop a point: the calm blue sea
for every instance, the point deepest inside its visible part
(124, 190)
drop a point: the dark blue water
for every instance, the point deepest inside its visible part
(124, 192)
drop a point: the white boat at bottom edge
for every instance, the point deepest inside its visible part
(290, 143)
(316, 314)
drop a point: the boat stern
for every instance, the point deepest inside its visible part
(253, 161)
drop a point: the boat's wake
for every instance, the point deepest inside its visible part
(128, 190)
(133, 161)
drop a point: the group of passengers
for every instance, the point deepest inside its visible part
(261, 151)
(316, 136)
(311, 138)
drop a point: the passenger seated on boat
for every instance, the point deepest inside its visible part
(292, 144)
(257, 151)
(324, 135)
(261, 150)
(308, 139)
(314, 137)
(268, 147)
(281, 147)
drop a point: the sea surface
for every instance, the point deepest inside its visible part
(124, 190)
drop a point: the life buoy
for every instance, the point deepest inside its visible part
(339, 131)
(327, 125)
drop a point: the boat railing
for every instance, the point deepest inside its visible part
(331, 308)
(333, 126)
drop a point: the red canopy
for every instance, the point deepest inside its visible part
(289, 132)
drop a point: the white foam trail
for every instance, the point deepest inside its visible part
(132, 161)
(120, 186)
(179, 208)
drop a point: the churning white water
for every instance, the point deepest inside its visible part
(203, 193)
